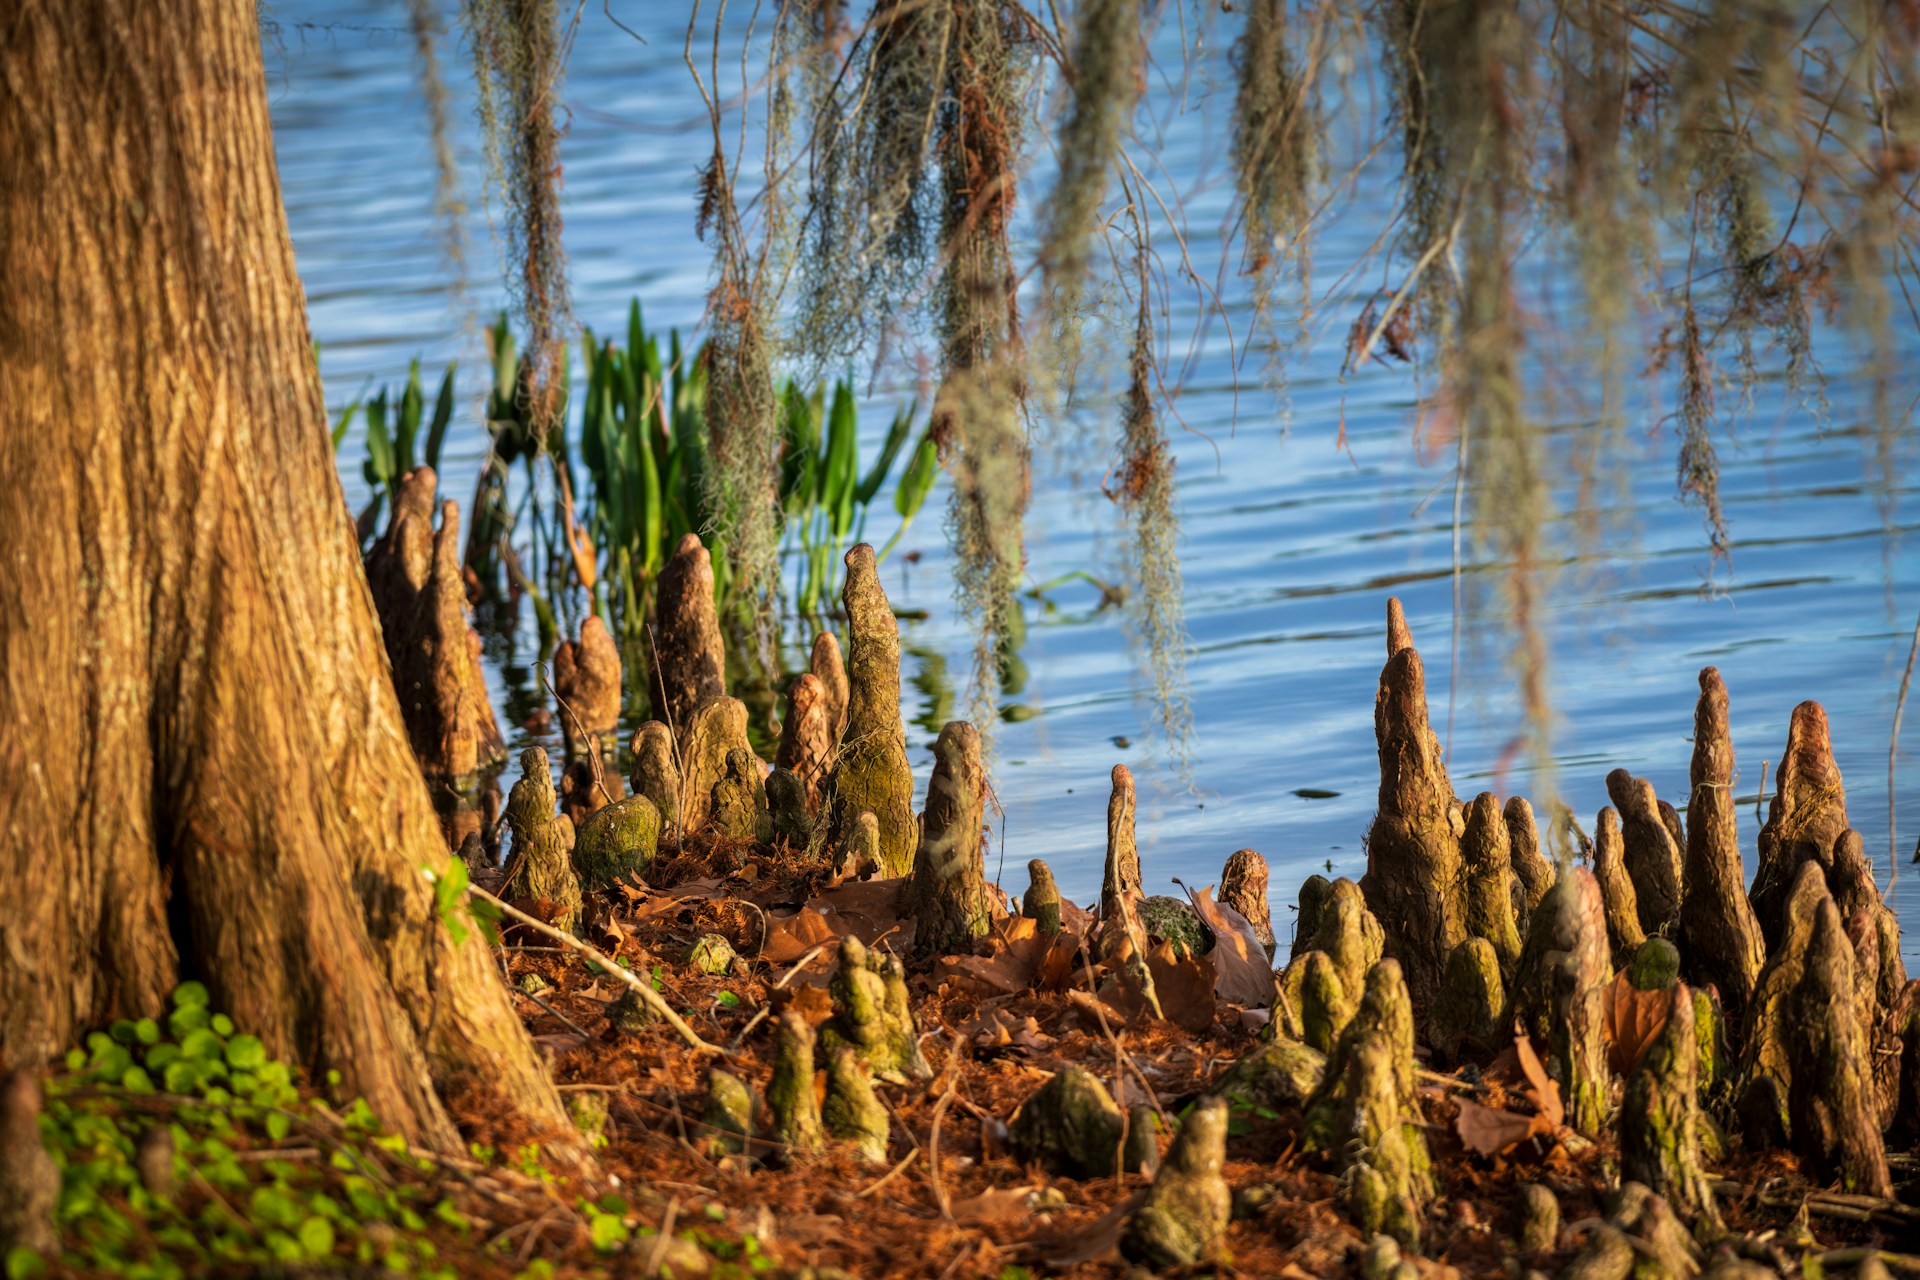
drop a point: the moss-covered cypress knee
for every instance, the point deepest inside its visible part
(796, 1110)
(1486, 854)
(656, 772)
(808, 737)
(1559, 994)
(1185, 1215)
(1660, 1119)
(1536, 1219)
(728, 1113)
(689, 658)
(852, 1113)
(1341, 926)
(871, 772)
(1319, 1002)
(1650, 853)
(1175, 922)
(1719, 932)
(739, 800)
(1465, 1021)
(1415, 882)
(1069, 1126)
(1041, 902)
(1280, 1073)
(1243, 886)
(542, 842)
(858, 853)
(872, 1015)
(616, 843)
(1316, 891)
(716, 730)
(787, 813)
(949, 895)
(1617, 894)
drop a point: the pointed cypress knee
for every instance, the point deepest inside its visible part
(1041, 902)
(1874, 928)
(787, 810)
(1486, 854)
(1559, 994)
(728, 1114)
(542, 842)
(807, 736)
(1532, 872)
(1318, 1002)
(1831, 1104)
(1719, 934)
(1069, 1126)
(1120, 892)
(1804, 819)
(689, 658)
(655, 773)
(1660, 1119)
(1651, 855)
(796, 1110)
(949, 894)
(1243, 886)
(1414, 881)
(871, 772)
(739, 799)
(1185, 1215)
(714, 732)
(1315, 892)
(1624, 934)
(586, 680)
(827, 666)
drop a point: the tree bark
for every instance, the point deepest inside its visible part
(207, 770)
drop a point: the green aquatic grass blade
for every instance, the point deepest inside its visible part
(897, 434)
(442, 416)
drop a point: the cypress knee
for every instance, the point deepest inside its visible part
(1041, 902)
(542, 842)
(1804, 819)
(871, 772)
(826, 665)
(1185, 1215)
(1414, 881)
(1532, 872)
(1485, 853)
(1243, 886)
(1464, 1022)
(1660, 1119)
(852, 1113)
(1831, 1104)
(586, 680)
(796, 1110)
(689, 658)
(656, 771)
(1617, 895)
(713, 732)
(1651, 855)
(1559, 993)
(807, 736)
(1718, 931)
(949, 893)
(1120, 892)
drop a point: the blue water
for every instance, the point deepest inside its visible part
(1291, 543)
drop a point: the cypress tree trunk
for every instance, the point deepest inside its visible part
(207, 772)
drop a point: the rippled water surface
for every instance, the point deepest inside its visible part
(1292, 544)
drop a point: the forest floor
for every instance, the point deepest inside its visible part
(949, 1200)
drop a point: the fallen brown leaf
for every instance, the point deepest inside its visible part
(996, 1204)
(1542, 1089)
(1489, 1130)
(1097, 1239)
(1631, 1020)
(1242, 973)
(1185, 987)
(790, 937)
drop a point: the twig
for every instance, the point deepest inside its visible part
(648, 996)
(1760, 796)
(889, 1175)
(577, 1028)
(933, 1141)
(658, 1253)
